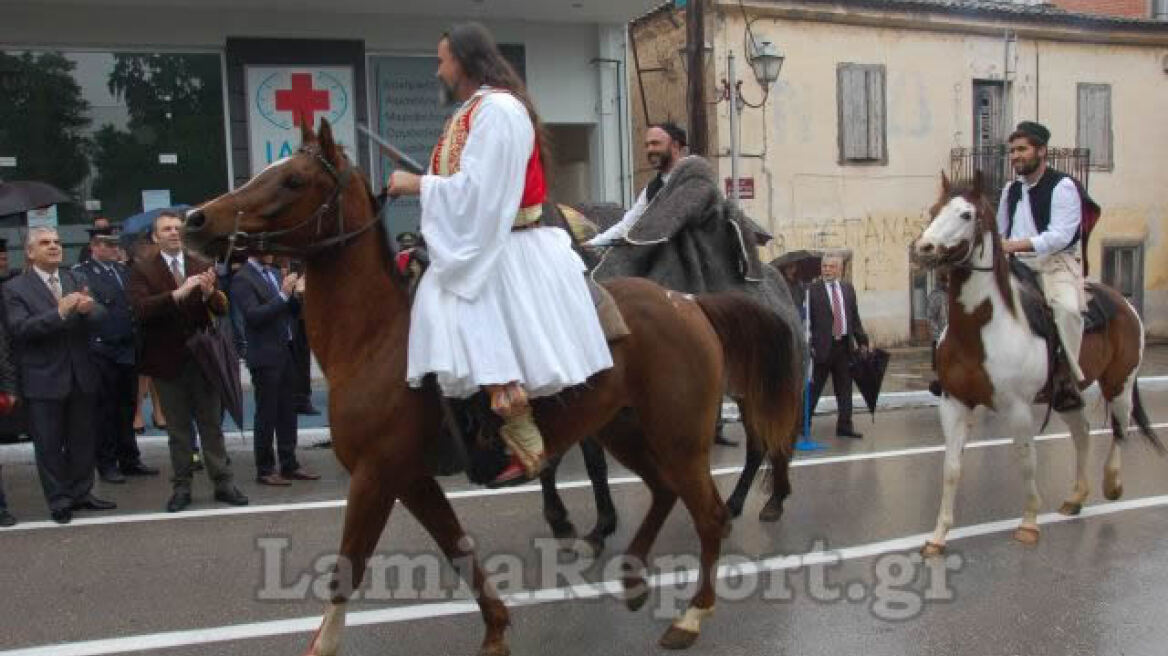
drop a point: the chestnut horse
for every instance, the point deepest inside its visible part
(654, 410)
(989, 356)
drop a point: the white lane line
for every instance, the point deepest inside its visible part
(531, 488)
(307, 625)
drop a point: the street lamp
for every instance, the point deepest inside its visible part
(767, 61)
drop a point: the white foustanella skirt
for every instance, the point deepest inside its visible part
(533, 322)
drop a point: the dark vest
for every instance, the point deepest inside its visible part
(1040, 197)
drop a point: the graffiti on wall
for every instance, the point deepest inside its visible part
(879, 244)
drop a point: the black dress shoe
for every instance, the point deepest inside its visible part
(231, 496)
(139, 469)
(6, 519)
(62, 515)
(850, 434)
(112, 476)
(722, 441)
(307, 409)
(178, 501)
(90, 502)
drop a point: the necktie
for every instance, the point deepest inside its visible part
(270, 276)
(655, 186)
(114, 272)
(55, 287)
(837, 311)
(176, 272)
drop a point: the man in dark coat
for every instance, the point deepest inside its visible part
(269, 306)
(52, 315)
(112, 346)
(173, 294)
(836, 330)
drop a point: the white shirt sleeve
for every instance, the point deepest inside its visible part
(1066, 213)
(1004, 213)
(622, 227)
(467, 217)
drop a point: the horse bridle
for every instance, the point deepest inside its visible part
(963, 263)
(265, 241)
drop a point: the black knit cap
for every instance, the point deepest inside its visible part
(1036, 131)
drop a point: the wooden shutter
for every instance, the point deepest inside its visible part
(861, 112)
(1094, 129)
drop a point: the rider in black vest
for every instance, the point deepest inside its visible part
(1044, 233)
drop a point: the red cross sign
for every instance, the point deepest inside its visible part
(302, 100)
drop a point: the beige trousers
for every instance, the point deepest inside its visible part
(1062, 283)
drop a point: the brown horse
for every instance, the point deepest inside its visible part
(990, 356)
(667, 378)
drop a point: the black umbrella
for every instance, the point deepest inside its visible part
(807, 261)
(24, 195)
(215, 354)
(868, 374)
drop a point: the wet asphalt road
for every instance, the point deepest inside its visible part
(140, 581)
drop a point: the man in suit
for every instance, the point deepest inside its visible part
(270, 306)
(52, 315)
(836, 330)
(112, 346)
(173, 294)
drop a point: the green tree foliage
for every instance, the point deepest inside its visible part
(43, 119)
(175, 104)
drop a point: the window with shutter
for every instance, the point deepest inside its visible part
(1094, 129)
(861, 102)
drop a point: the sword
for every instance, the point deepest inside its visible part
(401, 159)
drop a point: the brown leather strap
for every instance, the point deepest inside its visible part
(527, 226)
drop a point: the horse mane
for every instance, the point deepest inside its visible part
(971, 190)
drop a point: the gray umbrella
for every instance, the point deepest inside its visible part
(24, 195)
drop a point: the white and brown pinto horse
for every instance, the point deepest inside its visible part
(989, 356)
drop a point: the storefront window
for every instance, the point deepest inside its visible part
(121, 132)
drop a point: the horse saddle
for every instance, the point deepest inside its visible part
(1100, 310)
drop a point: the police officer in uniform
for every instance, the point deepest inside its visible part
(112, 347)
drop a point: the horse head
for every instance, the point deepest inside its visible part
(960, 219)
(295, 206)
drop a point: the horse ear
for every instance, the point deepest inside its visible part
(945, 184)
(328, 147)
(306, 135)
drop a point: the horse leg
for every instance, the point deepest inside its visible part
(1076, 421)
(956, 423)
(606, 519)
(428, 504)
(369, 504)
(553, 506)
(1020, 422)
(773, 510)
(700, 496)
(1121, 411)
(754, 458)
(632, 452)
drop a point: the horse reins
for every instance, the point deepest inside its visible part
(265, 241)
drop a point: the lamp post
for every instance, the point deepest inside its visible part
(766, 61)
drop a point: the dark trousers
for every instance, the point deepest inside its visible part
(302, 356)
(117, 446)
(63, 439)
(189, 400)
(841, 381)
(276, 390)
(3, 501)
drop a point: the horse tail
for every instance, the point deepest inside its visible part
(762, 369)
(1140, 416)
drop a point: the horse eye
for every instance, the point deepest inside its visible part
(968, 216)
(293, 182)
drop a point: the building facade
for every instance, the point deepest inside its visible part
(134, 105)
(876, 98)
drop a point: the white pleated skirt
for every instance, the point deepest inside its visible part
(533, 322)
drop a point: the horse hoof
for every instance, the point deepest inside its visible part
(932, 550)
(636, 594)
(1113, 493)
(497, 649)
(676, 638)
(771, 512)
(1027, 535)
(1071, 509)
(563, 530)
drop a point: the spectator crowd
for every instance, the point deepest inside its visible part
(82, 348)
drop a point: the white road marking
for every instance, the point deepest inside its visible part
(306, 625)
(530, 488)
